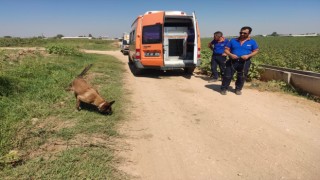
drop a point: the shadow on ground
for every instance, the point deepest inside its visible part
(158, 74)
(8, 86)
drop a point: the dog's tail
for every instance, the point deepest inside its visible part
(86, 69)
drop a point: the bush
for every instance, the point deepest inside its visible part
(63, 50)
(205, 65)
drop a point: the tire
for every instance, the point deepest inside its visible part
(135, 71)
(129, 59)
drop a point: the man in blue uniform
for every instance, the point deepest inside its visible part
(218, 55)
(240, 50)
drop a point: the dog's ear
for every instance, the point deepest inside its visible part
(111, 103)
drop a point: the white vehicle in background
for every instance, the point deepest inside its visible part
(124, 47)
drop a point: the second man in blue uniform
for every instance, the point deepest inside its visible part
(217, 45)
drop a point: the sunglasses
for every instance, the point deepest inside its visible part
(243, 33)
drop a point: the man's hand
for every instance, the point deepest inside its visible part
(210, 45)
(245, 57)
(233, 56)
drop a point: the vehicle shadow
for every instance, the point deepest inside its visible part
(159, 74)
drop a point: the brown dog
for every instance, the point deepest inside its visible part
(85, 93)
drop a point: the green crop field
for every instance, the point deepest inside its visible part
(91, 44)
(301, 53)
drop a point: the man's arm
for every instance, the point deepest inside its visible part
(245, 57)
(227, 51)
(210, 45)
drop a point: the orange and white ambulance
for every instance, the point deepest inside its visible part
(164, 40)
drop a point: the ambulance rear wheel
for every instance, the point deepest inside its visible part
(135, 71)
(129, 59)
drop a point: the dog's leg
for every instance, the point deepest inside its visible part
(78, 104)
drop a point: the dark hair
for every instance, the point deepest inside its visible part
(218, 33)
(247, 27)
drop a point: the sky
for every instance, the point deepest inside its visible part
(31, 18)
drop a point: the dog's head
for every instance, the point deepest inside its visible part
(105, 108)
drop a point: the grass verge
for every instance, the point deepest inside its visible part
(280, 86)
(42, 135)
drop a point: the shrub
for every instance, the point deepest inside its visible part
(205, 65)
(63, 50)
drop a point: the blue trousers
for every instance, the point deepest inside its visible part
(215, 61)
(241, 67)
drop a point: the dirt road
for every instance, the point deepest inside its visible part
(181, 128)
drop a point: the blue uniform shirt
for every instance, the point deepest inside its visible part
(239, 49)
(219, 46)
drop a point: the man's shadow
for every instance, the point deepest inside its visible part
(217, 87)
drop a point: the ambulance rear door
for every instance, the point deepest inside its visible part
(152, 39)
(196, 54)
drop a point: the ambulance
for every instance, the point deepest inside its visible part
(164, 40)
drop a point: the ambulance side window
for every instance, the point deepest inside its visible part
(132, 37)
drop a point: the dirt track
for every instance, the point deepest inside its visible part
(182, 128)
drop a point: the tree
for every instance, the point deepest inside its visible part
(59, 36)
(274, 34)
(90, 35)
